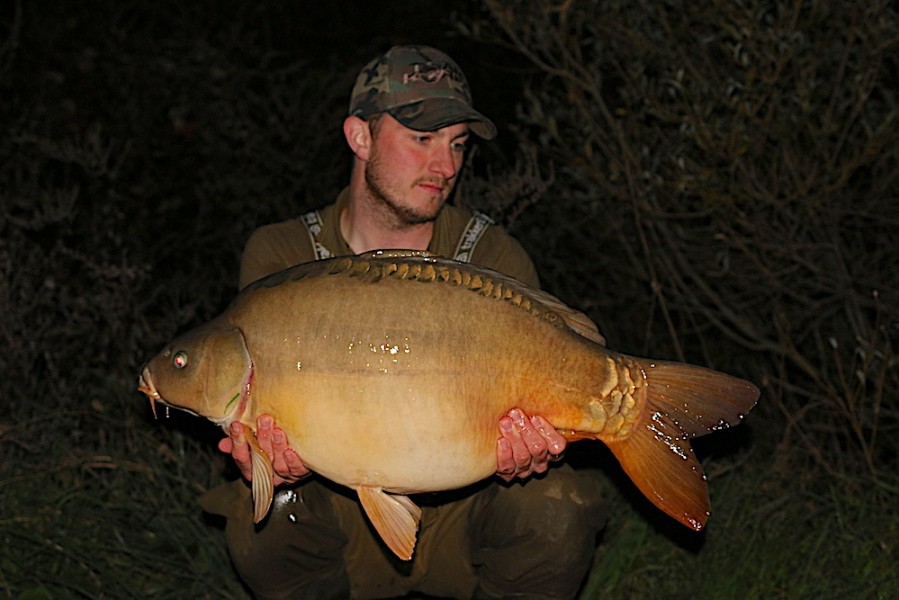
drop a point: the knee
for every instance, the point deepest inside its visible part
(293, 549)
(562, 512)
(539, 537)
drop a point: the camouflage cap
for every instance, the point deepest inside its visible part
(419, 86)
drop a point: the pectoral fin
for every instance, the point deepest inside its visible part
(263, 478)
(395, 518)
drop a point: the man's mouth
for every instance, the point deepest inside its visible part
(434, 187)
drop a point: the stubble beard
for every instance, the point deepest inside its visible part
(386, 197)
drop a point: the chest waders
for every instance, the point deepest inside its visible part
(468, 241)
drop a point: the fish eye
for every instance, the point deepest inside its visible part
(180, 359)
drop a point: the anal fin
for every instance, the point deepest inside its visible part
(395, 518)
(263, 478)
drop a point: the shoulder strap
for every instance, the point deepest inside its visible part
(468, 241)
(313, 223)
(471, 235)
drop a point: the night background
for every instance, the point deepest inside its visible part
(711, 182)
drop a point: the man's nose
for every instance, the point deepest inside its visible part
(443, 162)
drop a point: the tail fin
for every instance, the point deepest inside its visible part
(683, 401)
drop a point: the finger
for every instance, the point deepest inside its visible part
(555, 442)
(264, 426)
(538, 466)
(239, 445)
(295, 465)
(286, 463)
(505, 464)
(294, 469)
(225, 445)
(520, 452)
(278, 446)
(533, 439)
(534, 442)
(536, 445)
(516, 452)
(240, 450)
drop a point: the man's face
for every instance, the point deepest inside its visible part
(411, 173)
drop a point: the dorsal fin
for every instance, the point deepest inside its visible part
(397, 254)
(575, 319)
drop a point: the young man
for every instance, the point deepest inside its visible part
(410, 118)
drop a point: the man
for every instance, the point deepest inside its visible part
(409, 122)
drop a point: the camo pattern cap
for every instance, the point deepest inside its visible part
(419, 86)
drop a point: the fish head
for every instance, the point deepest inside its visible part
(206, 371)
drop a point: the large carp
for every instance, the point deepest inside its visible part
(389, 372)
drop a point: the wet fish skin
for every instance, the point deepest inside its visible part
(390, 370)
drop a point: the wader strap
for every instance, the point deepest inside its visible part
(313, 223)
(468, 241)
(472, 234)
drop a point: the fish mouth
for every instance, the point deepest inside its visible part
(145, 385)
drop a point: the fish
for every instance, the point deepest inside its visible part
(390, 370)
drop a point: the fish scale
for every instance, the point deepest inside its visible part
(435, 269)
(312, 346)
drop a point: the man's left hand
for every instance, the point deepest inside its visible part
(526, 445)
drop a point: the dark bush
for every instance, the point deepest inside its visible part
(725, 193)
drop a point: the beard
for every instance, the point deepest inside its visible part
(385, 194)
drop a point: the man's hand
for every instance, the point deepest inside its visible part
(526, 445)
(286, 463)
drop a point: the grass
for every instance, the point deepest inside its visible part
(766, 539)
(108, 511)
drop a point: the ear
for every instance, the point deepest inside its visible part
(358, 136)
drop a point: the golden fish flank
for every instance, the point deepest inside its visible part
(381, 356)
(431, 353)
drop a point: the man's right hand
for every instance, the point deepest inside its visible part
(288, 466)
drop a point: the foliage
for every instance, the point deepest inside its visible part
(141, 143)
(730, 168)
(773, 540)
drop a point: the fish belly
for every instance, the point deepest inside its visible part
(383, 432)
(406, 391)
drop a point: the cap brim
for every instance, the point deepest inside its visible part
(433, 114)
